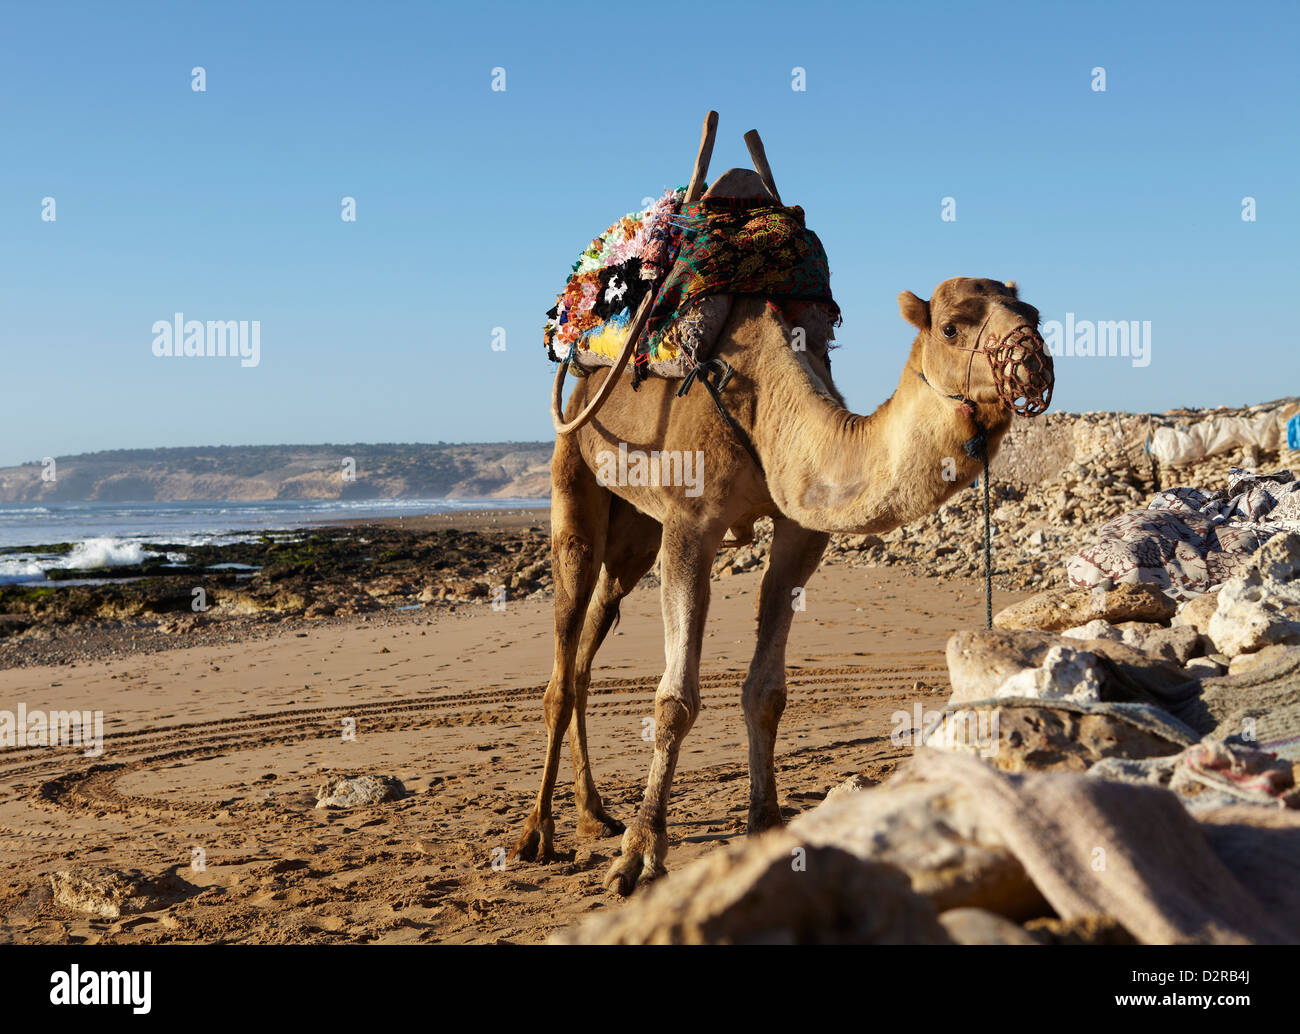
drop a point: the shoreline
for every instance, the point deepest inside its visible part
(292, 577)
(460, 520)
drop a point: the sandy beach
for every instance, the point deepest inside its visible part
(213, 754)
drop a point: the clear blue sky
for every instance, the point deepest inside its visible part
(472, 204)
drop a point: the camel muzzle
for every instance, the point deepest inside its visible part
(1022, 370)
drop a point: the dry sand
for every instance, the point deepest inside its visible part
(222, 748)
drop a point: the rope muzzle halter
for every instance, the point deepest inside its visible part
(1021, 365)
(1023, 377)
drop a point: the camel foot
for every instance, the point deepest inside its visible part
(599, 824)
(537, 843)
(640, 863)
(761, 820)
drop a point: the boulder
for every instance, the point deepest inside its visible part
(1196, 612)
(1095, 629)
(1245, 662)
(111, 893)
(359, 791)
(1059, 609)
(932, 832)
(1063, 674)
(1019, 737)
(770, 890)
(1177, 645)
(980, 662)
(1260, 607)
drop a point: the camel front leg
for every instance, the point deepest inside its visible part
(685, 559)
(794, 557)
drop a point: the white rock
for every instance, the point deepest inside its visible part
(1260, 607)
(1097, 629)
(1065, 674)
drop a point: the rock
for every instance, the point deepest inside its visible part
(1063, 674)
(1172, 644)
(1278, 559)
(1058, 609)
(1260, 607)
(980, 662)
(770, 890)
(12, 624)
(978, 926)
(1205, 666)
(111, 893)
(470, 590)
(359, 791)
(854, 784)
(1245, 662)
(931, 831)
(1020, 738)
(1197, 611)
(1097, 629)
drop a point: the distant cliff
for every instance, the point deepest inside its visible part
(258, 472)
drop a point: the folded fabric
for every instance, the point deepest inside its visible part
(1188, 541)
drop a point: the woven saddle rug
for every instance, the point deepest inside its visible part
(688, 255)
(1188, 541)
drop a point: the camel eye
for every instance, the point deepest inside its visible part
(949, 330)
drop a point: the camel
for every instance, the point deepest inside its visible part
(791, 452)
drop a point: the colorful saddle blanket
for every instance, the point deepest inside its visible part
(717, 246)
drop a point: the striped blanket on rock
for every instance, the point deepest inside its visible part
(1189, 541)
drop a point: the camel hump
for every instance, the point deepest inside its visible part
(738, 183)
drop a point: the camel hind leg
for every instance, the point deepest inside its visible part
(631, 545)
(579, 524)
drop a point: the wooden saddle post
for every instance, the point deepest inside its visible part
(634, 330)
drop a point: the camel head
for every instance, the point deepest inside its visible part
(979, 344)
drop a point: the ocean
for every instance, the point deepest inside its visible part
(116, 534)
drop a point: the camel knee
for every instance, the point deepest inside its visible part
(558, 703)
(571, 553)
(763, 705)
(674, 717)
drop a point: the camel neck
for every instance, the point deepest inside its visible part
(835, 470)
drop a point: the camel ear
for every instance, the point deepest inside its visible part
(1015, 291)
(914, 310)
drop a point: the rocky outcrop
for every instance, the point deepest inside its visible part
(981, 663)
(110, 893)
(1058, 609)
(518, 470)
(950, 850)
